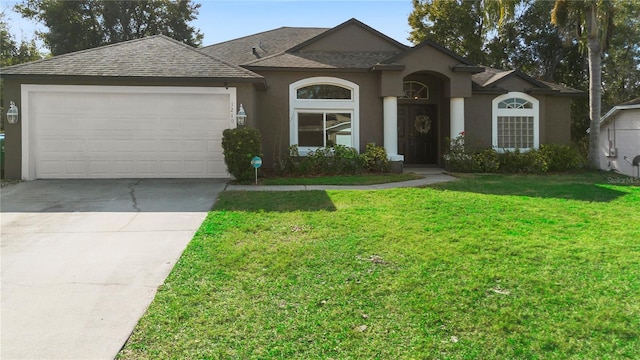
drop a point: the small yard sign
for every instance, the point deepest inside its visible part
(256, 162)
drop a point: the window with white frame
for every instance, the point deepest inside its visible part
(324, 112)
(515, 122)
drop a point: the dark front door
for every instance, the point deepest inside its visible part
(417, 133)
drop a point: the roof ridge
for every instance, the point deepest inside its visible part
(238, 67)
(197, 50)
(497, 76)
(265, 32)
(265, 58)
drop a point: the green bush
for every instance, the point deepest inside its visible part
(375, 159)
(562, 157)
(335, 160)
(486, 161)
(457, 157)
(239, 147)
(531, 161)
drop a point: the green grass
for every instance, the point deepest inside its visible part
(368, 179)
(491, 266)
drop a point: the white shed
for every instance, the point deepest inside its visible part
(620, 139)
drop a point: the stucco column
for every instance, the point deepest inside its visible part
(390, 119)
(457, 117)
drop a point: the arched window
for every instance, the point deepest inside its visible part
(515, 122)
(415, 90)
(324, 112)
(324, 92)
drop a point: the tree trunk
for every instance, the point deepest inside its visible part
(595, 86)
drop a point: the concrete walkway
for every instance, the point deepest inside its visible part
(431, 176)
(82, 259)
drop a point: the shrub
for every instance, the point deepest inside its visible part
(486, 161)
(562, 157)
(375, 159)
(456, 157)
(336, 160)
(531, 161)
(239, 147)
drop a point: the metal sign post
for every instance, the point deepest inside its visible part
(256, 162)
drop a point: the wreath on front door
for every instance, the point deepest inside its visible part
(422, 124)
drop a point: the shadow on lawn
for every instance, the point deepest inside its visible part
(582, 187)
(274, 201)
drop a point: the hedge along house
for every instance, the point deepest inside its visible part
(156, 108)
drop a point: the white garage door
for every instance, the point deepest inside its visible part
(124, 132)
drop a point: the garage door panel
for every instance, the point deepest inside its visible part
(102, 134)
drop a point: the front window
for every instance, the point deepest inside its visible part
(515, 122)
(324, 129)
(324, 112)
(515, 132)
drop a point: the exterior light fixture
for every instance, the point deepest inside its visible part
(12, 113)
(242, 116)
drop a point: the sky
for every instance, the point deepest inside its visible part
(222, 20)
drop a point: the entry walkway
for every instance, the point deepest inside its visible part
(431, 176)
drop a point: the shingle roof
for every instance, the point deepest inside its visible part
(490, 76)
(268, 43)
(154, 56)
(561, 88)
(284, 48)
(324, 59)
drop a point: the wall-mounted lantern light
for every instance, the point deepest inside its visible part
(12, 113)
(242, 116)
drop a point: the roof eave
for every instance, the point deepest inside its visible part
(490, 91)
(610, 114)
(257, 80)
(321, 69)
(465, 68)
(387, 67)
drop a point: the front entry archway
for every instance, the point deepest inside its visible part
(417, 133)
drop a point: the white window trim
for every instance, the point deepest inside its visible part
(533, 112)
(324, 105)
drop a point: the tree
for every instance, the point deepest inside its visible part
(83, 24)
(432, 20)
(476, 22)
(621, 62)
(592, 21)
(12, 53)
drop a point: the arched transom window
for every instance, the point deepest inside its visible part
(324, 112)
(515, 122)
(324, 92)
(515, 103)
(415, 90)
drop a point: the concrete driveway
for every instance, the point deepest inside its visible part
(82, 259)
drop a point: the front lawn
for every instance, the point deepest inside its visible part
(491, 266)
